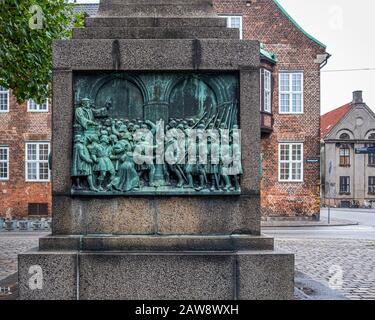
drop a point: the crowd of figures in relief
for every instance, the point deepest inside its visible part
(104, 149)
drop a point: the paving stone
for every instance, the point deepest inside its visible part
(355, 257)
(12, 244)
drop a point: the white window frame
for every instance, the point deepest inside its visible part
(291, 92)
(6, 162)
(38, 110)
(37, 143)
(229, 25)
(290, 162)
(267, 108)
(6, 91)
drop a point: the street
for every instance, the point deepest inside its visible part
(363, 216)
(342, 258)
(364, 231)
(11, 244)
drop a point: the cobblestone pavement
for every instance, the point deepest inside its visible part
(12, 244)
(344, 265)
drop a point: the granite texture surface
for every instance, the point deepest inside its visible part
(155, 277)
(156, 8)
(157, 54)
(56, 271)
(168, 22)
(272, 274)
(155, 243)
(186, 32)
(156, 215)
(208, 275)
(62, 130)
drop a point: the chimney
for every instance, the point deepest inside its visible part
(357, 97)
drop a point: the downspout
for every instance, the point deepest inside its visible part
(324, 63)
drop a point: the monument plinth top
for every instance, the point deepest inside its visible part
(155, 8)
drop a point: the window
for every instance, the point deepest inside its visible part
(234, 22)
(4, 163)
(291, 93)
(371, 159)
(266, 76)
(38, 209)
(34, 107)
(371, 185)
(291, 162)
(345, 136)
(344, 157)
(345, 185)
(37, 154)
(371, 136)
(4, 99)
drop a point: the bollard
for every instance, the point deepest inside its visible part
(9, 225)
(23, 225)
(37, 225)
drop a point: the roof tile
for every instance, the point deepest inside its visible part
(332, 118)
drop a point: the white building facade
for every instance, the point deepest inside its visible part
(348, 179)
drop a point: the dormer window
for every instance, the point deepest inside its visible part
(344, 136)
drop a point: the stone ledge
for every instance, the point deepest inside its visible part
(161, 8)
(156, 242)
(246, 275)
(152, 54)
(131, 22)
(186, 32)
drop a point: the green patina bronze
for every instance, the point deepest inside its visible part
(110, 110)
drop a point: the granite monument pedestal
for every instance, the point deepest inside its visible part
(163, 244)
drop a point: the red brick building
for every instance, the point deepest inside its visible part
(290, 115)
(25, 134)
(291, 122)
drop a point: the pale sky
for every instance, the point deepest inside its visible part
(347, 27)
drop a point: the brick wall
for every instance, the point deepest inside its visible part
(16, 128)
(263, 21)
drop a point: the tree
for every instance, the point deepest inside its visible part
(27, 30)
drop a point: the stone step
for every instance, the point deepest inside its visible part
(150, 275)
(133, 22)
(162, 8)
(158, 243)
(156, 33)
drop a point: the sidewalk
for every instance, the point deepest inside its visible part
(303, 224)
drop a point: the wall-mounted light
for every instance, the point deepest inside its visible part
(248, 3)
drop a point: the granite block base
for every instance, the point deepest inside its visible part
(138, 243)
(243, 275)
